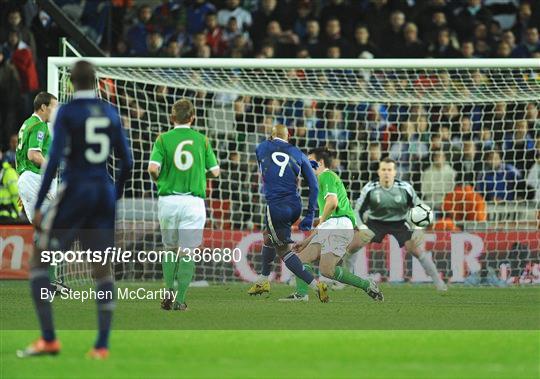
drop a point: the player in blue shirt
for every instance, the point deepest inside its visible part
(281, 165)
(85, 131)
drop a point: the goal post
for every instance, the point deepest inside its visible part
(464, 132)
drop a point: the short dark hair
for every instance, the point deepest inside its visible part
(43, 98)
(83, 75)
(388, 160)
(323, 153)
(183, 110)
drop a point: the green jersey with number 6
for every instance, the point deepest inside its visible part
(330, 183)
(184, 156)
(33, 135)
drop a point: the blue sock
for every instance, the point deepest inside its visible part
(268, 256)
(294, 264)
(39, 281)
(105, 308)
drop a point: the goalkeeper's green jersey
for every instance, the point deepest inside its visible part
(330, 183)
(33, 135)
(184, 156)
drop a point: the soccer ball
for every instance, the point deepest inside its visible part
(420, 215)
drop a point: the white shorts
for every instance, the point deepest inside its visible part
(29, 184)
(182, 219)
(334, 235)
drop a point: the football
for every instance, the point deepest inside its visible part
(420, 215)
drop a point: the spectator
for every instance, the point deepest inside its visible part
(466, 164)
(464, 204)
(15, 24)
(170, 17)
(392, 39)
(519, 147)
(333, 37)
(138, 33)
(504, 50)
(369, 163)
(10, 88)
(10, 154)
(214, 36)
(533, 180)
(467, 49)
(437, 23)
(437, 180)
(443, 47)
(362, 44)
(529, 45)
(312, 39)
(154, 44)
(197, 49)
(173, 49)
(284, 42)
(266, 13)
(469, 15)
(304, 14)
(243, 17)
(412, 46)
(523, 21)
(408, 151)
(338, 9)
(23, 60)
(531, 115)
(196, 15)
(509, 38)
(376, 14)
(499, 180)
(232, 31)
(9, 193)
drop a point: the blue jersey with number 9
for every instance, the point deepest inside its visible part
(281, 165)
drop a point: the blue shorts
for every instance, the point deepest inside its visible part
(84, 211)
(278, 220)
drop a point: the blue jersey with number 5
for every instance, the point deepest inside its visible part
(86, 131)
(281, 165)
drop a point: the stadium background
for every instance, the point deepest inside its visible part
(465, 140)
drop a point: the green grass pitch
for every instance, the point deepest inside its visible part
(415, 333)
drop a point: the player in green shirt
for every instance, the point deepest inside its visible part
(34, 142)
(180, 162)
(335, 231)
(382, 209)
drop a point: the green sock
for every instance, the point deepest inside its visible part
(301, 286)
(52, 273)
(344, 276)
(169, 267)
(186, 268)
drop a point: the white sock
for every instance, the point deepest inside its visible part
(263, 278)
(313, 284)
(429, 266)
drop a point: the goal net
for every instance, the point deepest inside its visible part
(465, 133)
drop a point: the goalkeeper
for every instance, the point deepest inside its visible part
(387, 202)
(180, 161)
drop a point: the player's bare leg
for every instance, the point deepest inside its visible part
(414, 247)
(306, 256)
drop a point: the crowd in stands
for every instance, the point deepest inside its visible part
(450, 152)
